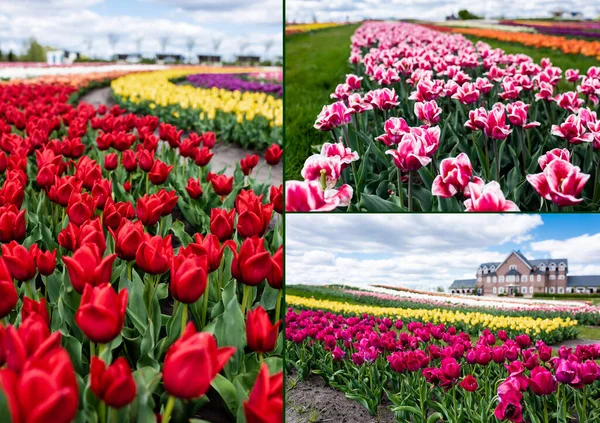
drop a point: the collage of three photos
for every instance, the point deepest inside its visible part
(299, 211)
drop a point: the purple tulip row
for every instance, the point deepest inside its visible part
(234, 82)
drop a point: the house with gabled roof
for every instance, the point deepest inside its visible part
(518, 275)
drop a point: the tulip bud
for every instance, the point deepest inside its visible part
(101, 314)
(260, 333)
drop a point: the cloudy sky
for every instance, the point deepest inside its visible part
(71, 24)
(354, 10)
(430, 250)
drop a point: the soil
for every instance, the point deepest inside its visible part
(226, 155)
(312, 401)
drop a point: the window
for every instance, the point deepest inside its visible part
(552, 290)
(494, 279)
(478, 279)
(492, 269)
(494, 290)
(561, 290)
(531, 289)
(513, 267)
(501, 279)
(523, 290)
(523, 278)
(561, 276)
(539, 278)
(531, 278)
(543, 267)
(510, 278)
(501, 290)
(485, 269)
(488, 279)
(546, 289)
(552, 277)
(561, 267)
(479, 271)
(569, 290)
(552, 267)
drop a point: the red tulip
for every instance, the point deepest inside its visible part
(192, 362)
(159, 172)
(113, 385)
(253, 215)
(88, 267)
(222, 184)
(128, 237)
(31, 307)
(194, 188)
(45, 261)
(273, 154)
(275, 276)
(542, 381)
(127, 186)
(221, 223)
(22, 343)
(276, 198)
(101, 314)
(129, 161)
(265, 403)
(81, 208)
(149, 209)
(88, 171)
(113, 213)
(12, 223)
(169, 200)
(62, 189)
(111, 161)
(260, 332)
(214, 250)
(102, 191)
(145, 159)
(248, 163)
(8, 293)
(104, 141)
(253, 263)
(203, 156)
(154, 254)
(209, 139)
(188, 277)
(19, 261)
(469, 383)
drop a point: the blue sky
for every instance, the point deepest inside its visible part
(354, 10)
(241, 25)
(430, 250)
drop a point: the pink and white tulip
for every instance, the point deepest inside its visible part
(332, 116)
(455, 175)
(559, 182)
(345, 154)
(517, 115)
(428, 112)
(306, 196)
(488, 198)
(318, 165)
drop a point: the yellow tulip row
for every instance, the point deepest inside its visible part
(157, 89)
(450, 317)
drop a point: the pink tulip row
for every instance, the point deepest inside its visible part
(443, 358)
(453, 84)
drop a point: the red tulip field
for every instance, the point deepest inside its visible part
(431, 121)
(137, 282)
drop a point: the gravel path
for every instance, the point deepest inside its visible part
(226, 155)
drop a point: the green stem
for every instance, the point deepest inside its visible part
(278, 306)
(168, 409)
(184, 316)
(261, 357)
(113, 415)
(410, 190)
(400, 187)
(92, 350)
(102, 413)
(28, 290)
(496, 159)
(545, 410)
(147, 192)
(205, 304)
(245, 299)
(129, 270)
(583, 418)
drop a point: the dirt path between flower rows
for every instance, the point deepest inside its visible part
(226, 155)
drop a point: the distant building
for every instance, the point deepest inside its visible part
(517, 275)
(209, 59)
(169, 58)
(61, 57)
(248, 60)
(128, 57)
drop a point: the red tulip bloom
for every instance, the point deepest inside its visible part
(188, 277)
(265, 403)
(194, 188)
(214, 250)
(253, 262)
(88, 171)
(111, 161)
(154, 254)
(31, 307)
(105, 141)
(8, 293)
(469, 383)
(81, 208)
(127, 186)
(123, 141)
(129, 161)
(222, 184)
(192, 363)
(248, 163)
(19, 261)
(273, 154)
(113, 385)
(88, 267)
(113, 213)
(22, 343)
(101, 314)
(12, 223)
(275, 276)
(260, 332)
(203, 156)
(221, 223)
(542, 381)
(102, 191)
(128, 237)
(62, 189)
(253, 215)
(145, 159)
(276, 198)
(149, 209)
(169, 200)
(209, 139)
(159, 172)
(45, 261)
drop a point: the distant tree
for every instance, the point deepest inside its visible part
(35, 52)
(1, 56)
(465, 15)
(11, 56)
(440, 289)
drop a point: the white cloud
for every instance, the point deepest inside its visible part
(581, 251)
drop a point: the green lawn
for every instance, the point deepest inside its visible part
(315, 63)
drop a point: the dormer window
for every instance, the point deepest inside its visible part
(492, 269)
(480, 271)
(543, 267)
(485, 269)
(513, 267)
(561, 267)
(552, 267)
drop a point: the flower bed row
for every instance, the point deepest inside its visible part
(301, 28)
(135, 280)
(570, 29)
(234, 82)
(253, 120)
(433, 373)
(430, 122)
(549, 330)
(67, 74)
(502, 26)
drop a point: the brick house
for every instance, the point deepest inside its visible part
(519, 275)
